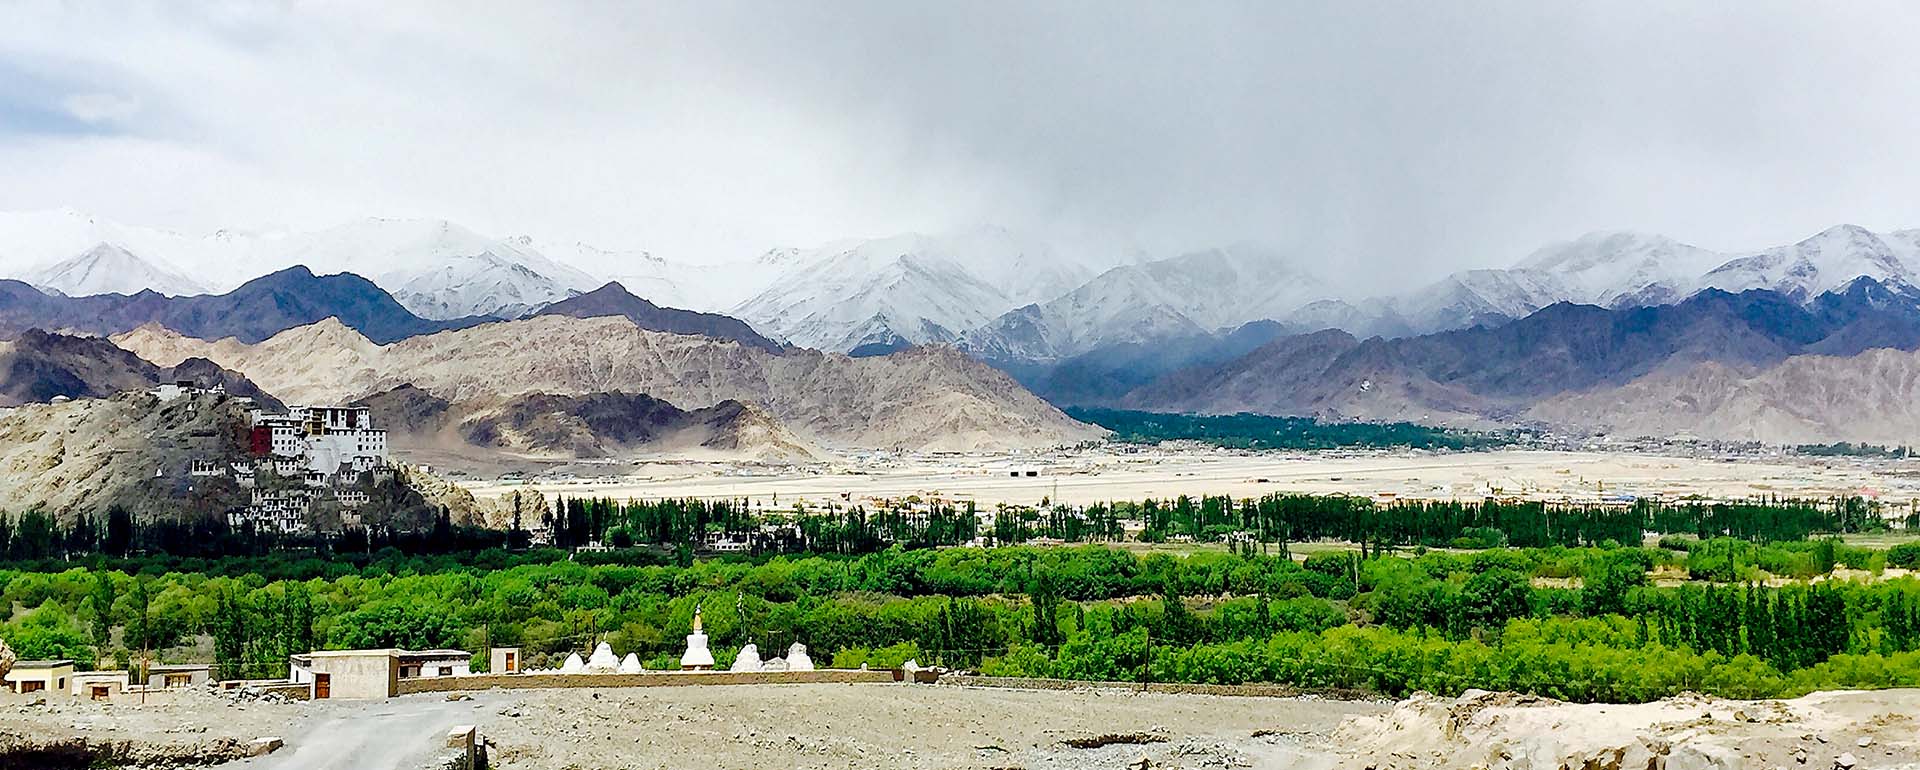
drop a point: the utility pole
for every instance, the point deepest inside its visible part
(1146, 662)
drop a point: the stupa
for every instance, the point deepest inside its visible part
(602, 661)
(797, 659)
(697, 657)
(574, 665)
(631, 664)
(749, 659)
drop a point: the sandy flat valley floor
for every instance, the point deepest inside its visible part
(1087, 476)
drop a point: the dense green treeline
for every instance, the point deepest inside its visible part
(1258, 431)
(1273, 518)
(682, 527)
(1584, 623)
(1850, 449)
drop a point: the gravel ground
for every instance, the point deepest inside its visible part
(888, 726)
(903, 726)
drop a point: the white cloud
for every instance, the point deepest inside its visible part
(97, 108)
(1416, 138)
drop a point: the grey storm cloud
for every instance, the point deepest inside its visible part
(1385, 141)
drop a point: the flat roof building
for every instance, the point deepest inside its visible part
(99, 685)
(40, 676)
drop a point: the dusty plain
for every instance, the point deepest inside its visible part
(903, 726)
(1122, 473)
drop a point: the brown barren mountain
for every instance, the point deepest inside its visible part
(595, 425)
(1871, 397)
(923, 399)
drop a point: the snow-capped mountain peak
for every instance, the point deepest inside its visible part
(1613, 268)
(109, 268)
(910, 288)
(1824, 262)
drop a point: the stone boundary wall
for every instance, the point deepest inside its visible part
(1175, 688)
(652, 679)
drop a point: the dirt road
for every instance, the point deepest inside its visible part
(398, 734)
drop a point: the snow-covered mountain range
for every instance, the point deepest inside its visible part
(885, 293)
(1003, 296)
(1176, 298)
(1626, 269)
(435, 268)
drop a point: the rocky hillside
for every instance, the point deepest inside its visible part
(84, 455)
(1871, 397)
(921, 399)
(593, 425)
(36, 367)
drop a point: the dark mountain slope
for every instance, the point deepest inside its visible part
(579, 426)
(614, 300)
(37, 366)
(257, 310)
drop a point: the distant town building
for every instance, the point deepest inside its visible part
(39, 676)
(174, 677)
(168, 391)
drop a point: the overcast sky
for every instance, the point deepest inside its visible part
(1394, 139)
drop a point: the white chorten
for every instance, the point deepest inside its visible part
(697, 657)
(574, 665)
(774, 664)
(603, 661)
(631, 664)
(749, 659)
(797, 659)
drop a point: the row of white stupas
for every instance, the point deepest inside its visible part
(696, 658)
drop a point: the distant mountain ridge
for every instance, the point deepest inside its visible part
(1495, 374)
(257, 310)
(435, 268)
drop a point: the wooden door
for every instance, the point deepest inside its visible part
(513, 662)
(322, 685)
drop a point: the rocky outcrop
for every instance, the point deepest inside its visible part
(132, 450)
(1687, 732)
